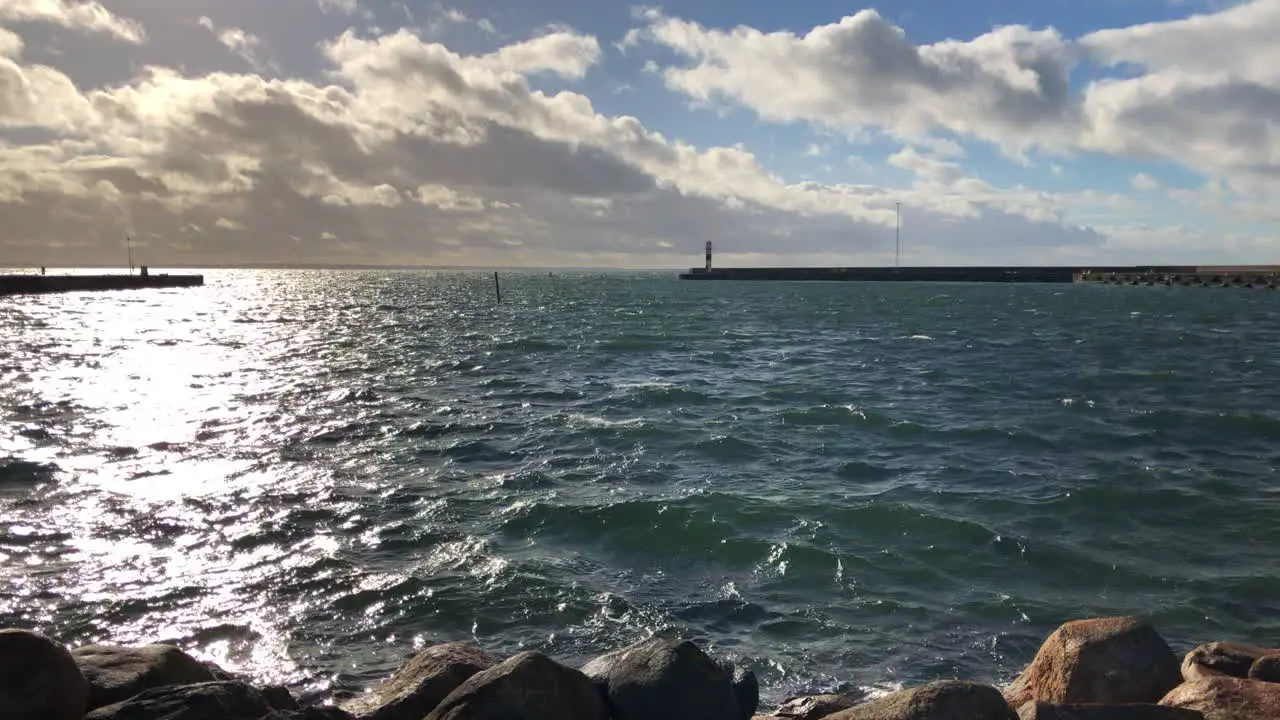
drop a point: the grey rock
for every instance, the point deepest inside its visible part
(221, 700)
(417, 688)
(814, 707)
(118, 673)
(944, 700)
(323, 713)
(279, 697)
(38, 679)
(1222, 659)
(660, 679)
(1266, 669)
(529, 686)
(746, 688)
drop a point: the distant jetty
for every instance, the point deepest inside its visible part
(31, 284)
(1254, 276)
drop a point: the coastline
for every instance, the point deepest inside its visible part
(1098, 668)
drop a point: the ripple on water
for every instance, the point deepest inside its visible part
(846, 487)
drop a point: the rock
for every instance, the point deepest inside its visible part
(1227, 698)
(746, 688)
(221, 700)
(944, 700)
(660, 679)
(118, 673)
(1221, 659)
(324, 713)
(529, 686)
(279, 697)
(1140, 711)
(814, 708)
(1110, 661)
(417, 688)
(1266, 669)
(38, 679)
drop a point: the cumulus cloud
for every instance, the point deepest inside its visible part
(79, 15)
(244, 45)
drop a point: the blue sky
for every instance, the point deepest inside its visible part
(572, 132)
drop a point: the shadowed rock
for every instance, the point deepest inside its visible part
(417, 688)
(661, 679)
(119, 673)
(815, 707)
(38, 679)
(1266, 669)
(529, 686)
(944, 700)
(279, 697)
(1045, 711)
(1227, 698)
(1221, 659)
(1110, 661)
(746, 688)
(325, 713)
(223, 700)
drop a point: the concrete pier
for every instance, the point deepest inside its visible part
(1256, 276)
(41, 284)
(1263, 277)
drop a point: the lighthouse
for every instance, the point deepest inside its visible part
(708, 256)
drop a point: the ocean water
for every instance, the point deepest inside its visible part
(308, 475)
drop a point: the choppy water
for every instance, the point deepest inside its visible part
(306, 475)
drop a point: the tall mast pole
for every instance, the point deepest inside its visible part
(897, 239)
(128, 242)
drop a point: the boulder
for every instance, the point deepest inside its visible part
(315, 713)
(279, 697)
(1227, 698)
(1140, 711)
(221, 700)
(815, 707)
(944, 700)
(1109, 661)
(529, 686)
(746, 688)
(417, 688)
(118, 673)
(1266, 669)
(1221, 659)
(38, 679)
(660, 679)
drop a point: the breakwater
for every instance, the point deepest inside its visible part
(43, 284)
(1207, 276)
(1094, 669)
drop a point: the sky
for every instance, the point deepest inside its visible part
(589, 133)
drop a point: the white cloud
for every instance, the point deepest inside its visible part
(1144, 182)
(926, 167)
(86, 16)
(244, 45)
(10, 44)
(561, 53)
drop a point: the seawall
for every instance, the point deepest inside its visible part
(987, 274)
(41, 284)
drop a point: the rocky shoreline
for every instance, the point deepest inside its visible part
(1095, 669)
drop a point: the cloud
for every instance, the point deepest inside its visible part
(10, 44)
(394, 156)
(244, 45)
(74, 15)
(1009, 86)
(1143, 182)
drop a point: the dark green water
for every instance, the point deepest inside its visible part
(307, 475)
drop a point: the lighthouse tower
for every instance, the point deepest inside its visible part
(708, 256)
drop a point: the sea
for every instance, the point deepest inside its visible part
(307, 476)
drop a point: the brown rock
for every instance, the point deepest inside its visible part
(118, 673)
(1221, 659)
(1111, 661)
(665, 679)
(815, 707)
(1227, 698)
(945, 700)
(529, 686)
(38, 679)
(1266, 669)
(417, 688)
(221, 700)
(1141, 711)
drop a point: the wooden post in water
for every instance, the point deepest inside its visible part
(497, 288)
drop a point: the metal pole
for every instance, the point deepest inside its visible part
(128, 241)
(496, 287)
(897, 239)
